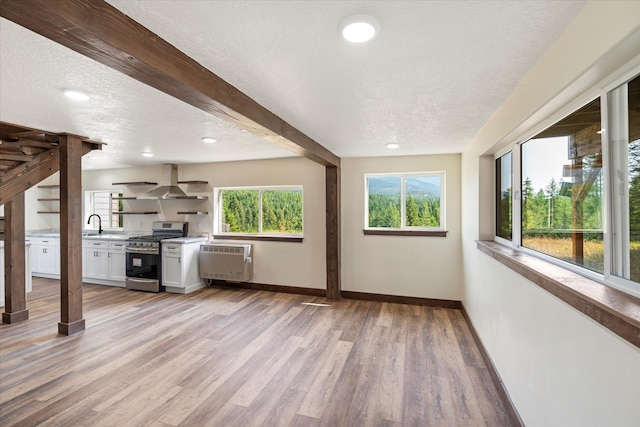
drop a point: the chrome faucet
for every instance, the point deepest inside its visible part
(99, 222)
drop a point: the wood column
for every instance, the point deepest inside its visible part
(15, 293)
(71, 151)
(332, 189)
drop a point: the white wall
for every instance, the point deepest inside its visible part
(35, 221)
(426, 267)
(286, 264)
(560, 367)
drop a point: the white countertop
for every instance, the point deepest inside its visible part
(182, 240)
(103, 236)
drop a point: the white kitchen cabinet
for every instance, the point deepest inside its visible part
(46, 257)
(103, 262)
(180, 265)
(96, 257)
(117, 262)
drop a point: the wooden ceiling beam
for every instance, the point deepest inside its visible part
(101, 32)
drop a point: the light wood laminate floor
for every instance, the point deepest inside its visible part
(233, 357)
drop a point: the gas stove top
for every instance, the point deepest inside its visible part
(161, 231)
(149, 238)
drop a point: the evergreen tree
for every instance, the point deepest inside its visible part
(413, 218)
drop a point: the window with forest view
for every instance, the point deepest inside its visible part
(399, 201)
(569, 184)
(562, 190)
(261, 210)
(503, 196)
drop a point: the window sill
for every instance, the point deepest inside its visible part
(613, 309)
(258, 237)
(415, 233)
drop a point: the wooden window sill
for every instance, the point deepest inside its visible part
(415, 233)
(257, 237)
(612, 308)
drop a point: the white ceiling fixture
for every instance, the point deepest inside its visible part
(147, 154)
(76, 95)
(392, 145)
(359, 28)
(208, 140)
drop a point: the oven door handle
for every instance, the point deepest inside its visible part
(131, 279)
(137, 251)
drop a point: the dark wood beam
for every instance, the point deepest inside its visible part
(101, 32)
(71, 151)
(332, 175)
(15, 294)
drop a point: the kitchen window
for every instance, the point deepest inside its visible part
(261, 211)
(107, 204)
(579, 190)
(409, 202)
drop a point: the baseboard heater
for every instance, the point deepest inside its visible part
(229, 262)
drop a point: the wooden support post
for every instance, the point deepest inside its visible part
(332, 189)
(15, 293)
(71, 151)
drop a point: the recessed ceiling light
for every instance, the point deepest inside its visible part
(208, 140)
(147, 154)
(359, 28)
(76, 95)
(392, 145)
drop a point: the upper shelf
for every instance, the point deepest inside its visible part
(49, 186)
(135, 183)
(193, 182)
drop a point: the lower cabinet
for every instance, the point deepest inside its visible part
(180, 266)
(117, 261)
(103, 262)
(96, 257)
(45, 257)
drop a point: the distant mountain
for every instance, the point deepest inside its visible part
(418, 187)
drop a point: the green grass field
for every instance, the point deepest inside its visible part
(593, 252)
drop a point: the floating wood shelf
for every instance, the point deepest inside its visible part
(193, 182)
(125, 198)
(136, 213)
(49, 200)
(49, 186)
(191, 198)
(193, 213)
(48, 212)
(135, 183)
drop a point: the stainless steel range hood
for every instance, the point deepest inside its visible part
(168, 188)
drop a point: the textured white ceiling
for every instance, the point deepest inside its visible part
(429, 80)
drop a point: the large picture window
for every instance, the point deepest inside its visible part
(579, 190)
(269, 211)
(405, 201)
(562, 190)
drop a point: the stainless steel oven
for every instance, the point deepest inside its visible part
(143, 257)
(143, 269)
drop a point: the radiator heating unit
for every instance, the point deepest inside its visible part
(223, 261)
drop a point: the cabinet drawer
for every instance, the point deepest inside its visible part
(116, 246)
(171, 248)
(95, 244)
(46, 241)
